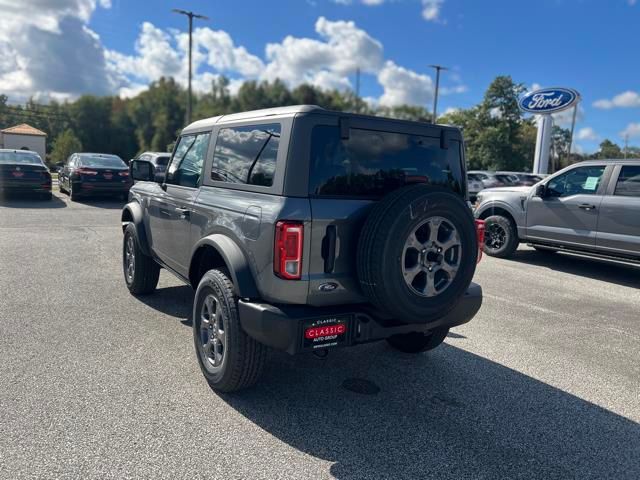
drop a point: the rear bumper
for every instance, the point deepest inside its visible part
(26, 187)
(102, 188)
(283, 327)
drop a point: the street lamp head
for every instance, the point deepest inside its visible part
(179, 10)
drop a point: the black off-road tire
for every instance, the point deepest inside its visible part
(244, 357)
(416, 342)
(146, 271)
(381, 247)
(511, 241)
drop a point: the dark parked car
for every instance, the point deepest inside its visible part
(159, 160)
(23, 171)
(87, 174)
(590, 207)
(306, 230)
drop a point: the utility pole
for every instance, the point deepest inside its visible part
(191, 16)
(435, 98)
(358, 90)
(626, 145)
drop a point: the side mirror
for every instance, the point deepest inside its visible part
(142, 171)
(541, 191)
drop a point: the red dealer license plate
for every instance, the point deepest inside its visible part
(325, 332)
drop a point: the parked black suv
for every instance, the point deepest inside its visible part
(303, 229)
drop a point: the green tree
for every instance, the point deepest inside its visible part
(608, 149)
(64, 145)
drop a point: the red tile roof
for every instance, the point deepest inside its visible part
(24, 129)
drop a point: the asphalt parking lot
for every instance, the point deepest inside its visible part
(94, 383)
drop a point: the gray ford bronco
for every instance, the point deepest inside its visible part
(305, 230)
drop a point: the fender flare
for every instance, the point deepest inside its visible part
(497, 204)
(132, 213)
(235, 260)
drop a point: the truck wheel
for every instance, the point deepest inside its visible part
(416, 342)
(229, 359)
(417, 253)
(73, 193)
(501, 236)
(141, 272)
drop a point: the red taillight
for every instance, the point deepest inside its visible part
(86, 171)
(124, 174)
(17, 174)
(287, 255)
(480, 237)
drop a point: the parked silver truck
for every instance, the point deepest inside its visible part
(590, 207)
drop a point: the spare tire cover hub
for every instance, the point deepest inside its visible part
(431, 256)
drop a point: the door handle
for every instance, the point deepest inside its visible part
(587, 206)
(183, 212)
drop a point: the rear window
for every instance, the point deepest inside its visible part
(629, 181)
(102, 162)
(373, 163)
(20, 157)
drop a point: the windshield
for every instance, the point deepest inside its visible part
(104, 162)
(162, 161)
(27, 158)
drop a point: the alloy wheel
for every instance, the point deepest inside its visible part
(431, 257)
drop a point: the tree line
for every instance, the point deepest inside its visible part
(498, 136)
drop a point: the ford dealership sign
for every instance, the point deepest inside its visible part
(549, 100)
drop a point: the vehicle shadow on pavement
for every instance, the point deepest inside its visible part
(598, 269)
(174, 301)
(31, 202)
(101, 202)
(447, 414)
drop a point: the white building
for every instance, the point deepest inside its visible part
(24, 137)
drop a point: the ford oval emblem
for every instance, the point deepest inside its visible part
(328, 287)
(549, 100)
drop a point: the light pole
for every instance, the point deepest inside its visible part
(191, 16)
(435, 98)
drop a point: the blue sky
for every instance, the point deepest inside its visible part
(590, 45)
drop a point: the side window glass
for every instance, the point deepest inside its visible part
(246, 155)
(186, 166)
(629, 181)
(579, 181)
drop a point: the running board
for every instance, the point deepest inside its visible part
(586, 253)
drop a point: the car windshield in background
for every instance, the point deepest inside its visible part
(102, 162)
(371, 163)
(162, 161)
(20, 157)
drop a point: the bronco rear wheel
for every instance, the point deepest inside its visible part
(229, 359)
(417, 253)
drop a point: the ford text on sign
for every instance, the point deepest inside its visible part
(549, 100)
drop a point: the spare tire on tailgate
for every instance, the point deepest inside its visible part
(417, 253)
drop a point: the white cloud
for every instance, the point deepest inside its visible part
(431, 10)
(403, 86)
(628, 99)
(565, 117)
(343, 49)
(48, 51)
(632, 131)
(587, 134)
